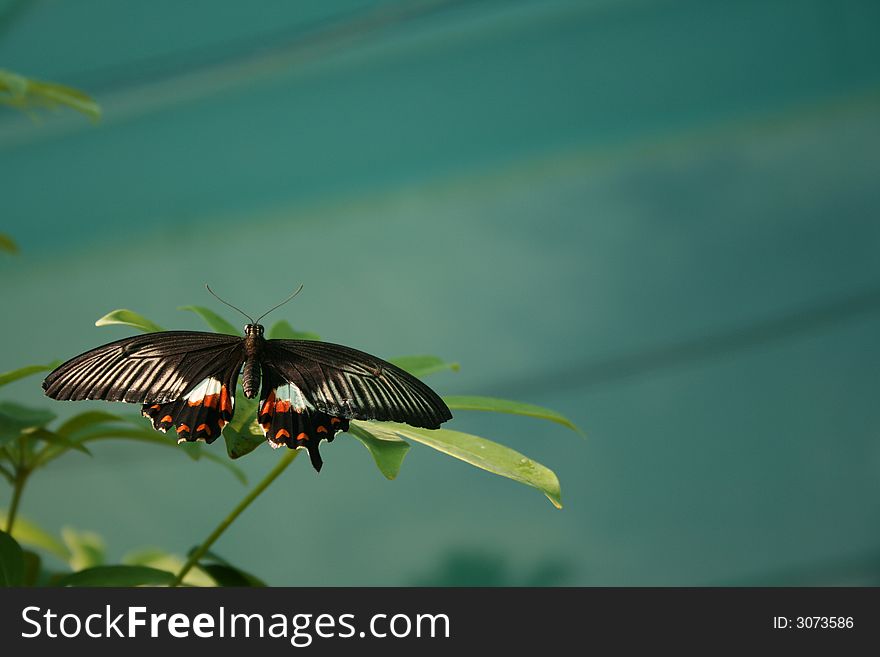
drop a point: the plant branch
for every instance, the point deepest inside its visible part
(200, 551)
(7, 473)
(17, 487)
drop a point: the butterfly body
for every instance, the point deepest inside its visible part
(309, 390)
(253, 349)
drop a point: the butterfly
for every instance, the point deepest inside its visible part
(309, 390)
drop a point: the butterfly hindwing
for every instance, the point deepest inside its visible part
(200, 414)
(343, 382)
(288, 418)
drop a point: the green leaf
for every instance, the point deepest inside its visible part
(158, 558)
(224, 573)
(479, 452)
(213, 320)
(229, 576)
(7, 244)
(245, 411)
(473, 403)
(128, 318)
(22, 372)
(118, 576)
(23, 93)
(240, 443)
(53, 438)
(11, 561)
(28, 533)
(197, 451)
(282, 330)
(421, 366)
(114, 433)
(32, 563)
(240, 435)
(86, 548)
(15, 418)
(387, 453)
(85, 420)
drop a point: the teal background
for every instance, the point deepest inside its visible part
(657, 217)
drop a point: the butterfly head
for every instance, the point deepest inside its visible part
(253, 329)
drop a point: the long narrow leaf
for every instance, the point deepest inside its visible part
(128, 318)
(118, 576)
(32, 535)
(22, 372)
(86, 420)
(388, 454)
(482, 453)
(213, 320)
(421, 366)
(15, 418)
(474, 403)
(282, 330)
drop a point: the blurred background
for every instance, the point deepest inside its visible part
(657, 217)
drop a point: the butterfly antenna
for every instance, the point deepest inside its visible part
(230, 305)
(298, 290)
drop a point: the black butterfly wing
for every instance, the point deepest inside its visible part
(183, 378)
(342, 382)
(288, 418)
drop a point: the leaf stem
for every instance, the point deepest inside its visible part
(200, 551)
(17, 487)
(7, 473)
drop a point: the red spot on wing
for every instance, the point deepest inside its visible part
(303, 436)
(282, 406)
(183, 427)
(322, 429)
(167, 418)
(269, 405)
(225, 401)
(282, 433)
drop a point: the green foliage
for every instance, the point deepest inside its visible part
(118, 576)
(387, 450)
(224, 573)
(422, 366)
(128, 318)
(26, 94)
(22, 372)
(479, 452)
(491, 404)
(7, 244)
(86, 548)
(28, 443)
(29, 534)
(16, 419)
(282, 330)
(213, 320)
(11, 561)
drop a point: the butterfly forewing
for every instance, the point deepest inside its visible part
(155, 367)
(344, 382)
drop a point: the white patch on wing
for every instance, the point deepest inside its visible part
(289, 392)
(209, 386)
